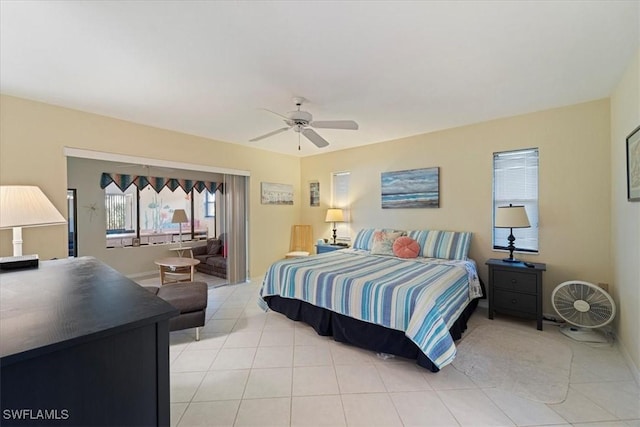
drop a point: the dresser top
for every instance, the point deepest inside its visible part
(516, 265)
(65, 302)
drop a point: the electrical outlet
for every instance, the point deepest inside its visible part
(604, 286)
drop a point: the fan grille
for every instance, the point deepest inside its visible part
(583, 304)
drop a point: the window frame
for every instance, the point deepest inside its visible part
(527, 239)
(340, 182)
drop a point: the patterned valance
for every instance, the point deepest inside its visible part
(125, 181)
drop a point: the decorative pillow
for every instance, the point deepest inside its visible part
(442, 244)
(406, 247)
(364, 238)
(213, 246)
(383, 242)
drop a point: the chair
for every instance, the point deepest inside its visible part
(188, 297)
(301, 241)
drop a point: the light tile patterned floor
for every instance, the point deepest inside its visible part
(252, 368)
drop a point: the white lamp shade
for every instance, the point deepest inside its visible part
(179, 216)
(334, 215)
(512, 217)
(26, 206)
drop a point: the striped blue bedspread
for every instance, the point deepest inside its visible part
(422, 296)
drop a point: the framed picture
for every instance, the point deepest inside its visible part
(276, 194)
(416, 188)
(633, 166)
(314, 194)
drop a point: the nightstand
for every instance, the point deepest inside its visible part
(320, 249)
(516, 289)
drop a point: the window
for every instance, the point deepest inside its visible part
(340, 199)
(515, 181)
(120, 209)
(209, 205)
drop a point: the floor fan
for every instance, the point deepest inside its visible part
(586, 307)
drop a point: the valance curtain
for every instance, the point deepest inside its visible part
(157, 183)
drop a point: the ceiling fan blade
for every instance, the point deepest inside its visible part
(313, 136)
(335, 124)
(277, 114)
(267, 135)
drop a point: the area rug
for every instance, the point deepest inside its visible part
(517, 361)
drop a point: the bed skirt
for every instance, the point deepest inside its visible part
(363, 334)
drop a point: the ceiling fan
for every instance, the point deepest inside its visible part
(301, 121)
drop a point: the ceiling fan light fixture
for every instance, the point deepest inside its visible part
(300, 121)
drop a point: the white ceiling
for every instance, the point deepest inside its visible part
(397, 68)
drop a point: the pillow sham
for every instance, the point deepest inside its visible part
(383, 242)
(363, 239)
(442, 244)
(406, 247)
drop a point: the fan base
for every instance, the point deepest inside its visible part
(583, 334)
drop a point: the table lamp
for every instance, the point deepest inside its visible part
(511, 217)
(24, 206)
(334, 215)
(179, 216)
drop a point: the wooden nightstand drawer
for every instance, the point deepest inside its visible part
(514, 301)
(515, 281)
(321, 249)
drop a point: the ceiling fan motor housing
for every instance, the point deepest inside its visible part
(300, 117)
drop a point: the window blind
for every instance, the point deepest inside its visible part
(515, 181)
(340, 199)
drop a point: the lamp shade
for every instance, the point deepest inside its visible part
(512, 217)
(334, 215)
(179, 216)
(26, 206)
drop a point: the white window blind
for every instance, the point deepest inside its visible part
(515, 181)
(340, 199)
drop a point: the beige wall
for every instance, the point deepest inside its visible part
(574, 186)
(33, 135)
(625, 215)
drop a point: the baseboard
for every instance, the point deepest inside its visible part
(627, 357)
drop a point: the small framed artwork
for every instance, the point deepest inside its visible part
(633, 166)
(314, 194)
(415, 188)
(276, 194)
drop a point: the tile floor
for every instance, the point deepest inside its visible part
(252, 368)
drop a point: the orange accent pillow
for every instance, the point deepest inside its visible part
(406, 247)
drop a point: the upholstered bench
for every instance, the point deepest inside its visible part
(188, 297)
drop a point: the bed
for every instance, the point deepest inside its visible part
(409, 307)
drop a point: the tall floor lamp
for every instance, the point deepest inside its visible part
(25, 206)
(334, 215)
(179, 216)
(511, 217)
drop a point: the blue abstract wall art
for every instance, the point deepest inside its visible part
(415, 188)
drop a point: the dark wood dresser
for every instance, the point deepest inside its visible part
(80, 344)
(516, 289)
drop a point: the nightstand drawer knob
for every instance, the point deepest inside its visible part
(514, 281)
(514, 301)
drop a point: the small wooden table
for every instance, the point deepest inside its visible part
(174, 269)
